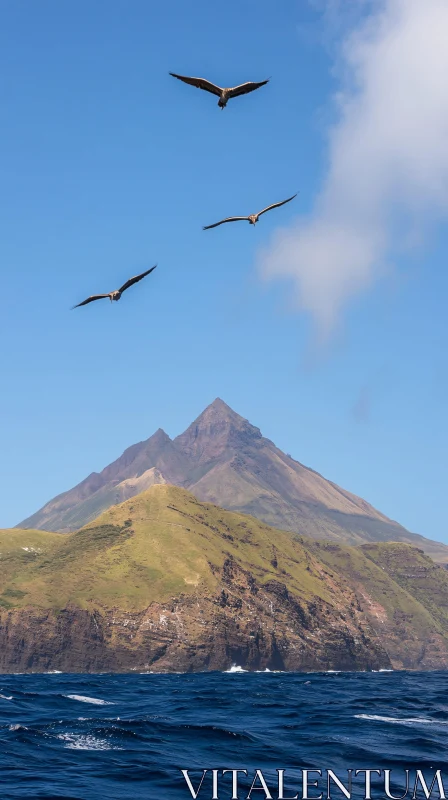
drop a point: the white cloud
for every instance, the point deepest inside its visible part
(388, 159)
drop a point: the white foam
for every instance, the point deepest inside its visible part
(403, 721)
(382, 670)
(4, 697)
(94, 700)
(17, 728)
(235, 668)
(78, 741)
(272, 671)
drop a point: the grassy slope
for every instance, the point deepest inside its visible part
(417, 574)
(152, 547)
(161, 543)
(381, 593)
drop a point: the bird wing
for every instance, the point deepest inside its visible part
(200, 83)
(244, 88)
(135, 279)
(228, 219)
(91, 299)
(276, 205)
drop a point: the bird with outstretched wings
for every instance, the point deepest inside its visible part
(118, 292)
(224, 94)
(252, 218)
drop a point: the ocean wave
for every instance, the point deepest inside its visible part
(5, 697)
(94, 700)
(235, 668)
(382, 670)
(80, 741)
(215, 732)
(51, 749)
(402, 720)
(271, 671)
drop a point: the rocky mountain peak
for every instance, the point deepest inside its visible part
(217, 430)
(223, 459)
(160, 436)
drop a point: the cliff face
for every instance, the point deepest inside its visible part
(256, 628)
(221, 458)
(163, 582)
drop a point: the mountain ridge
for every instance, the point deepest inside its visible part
(223, 459)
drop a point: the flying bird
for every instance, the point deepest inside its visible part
(224, 94)
(252, 218)
(118, 292)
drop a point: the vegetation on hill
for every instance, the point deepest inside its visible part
(160, 543)
(167, 580)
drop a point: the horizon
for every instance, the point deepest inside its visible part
(110, 165)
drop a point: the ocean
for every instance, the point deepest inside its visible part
(101, 737)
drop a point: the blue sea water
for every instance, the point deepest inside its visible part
(101, 737)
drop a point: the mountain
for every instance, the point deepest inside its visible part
(167, 583)
(221, 458)
(155, 460)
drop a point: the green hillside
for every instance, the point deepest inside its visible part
(416, 573)
(167, 580)
(161, 543)
(409, 614)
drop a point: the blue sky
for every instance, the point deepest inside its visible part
(109, 166)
